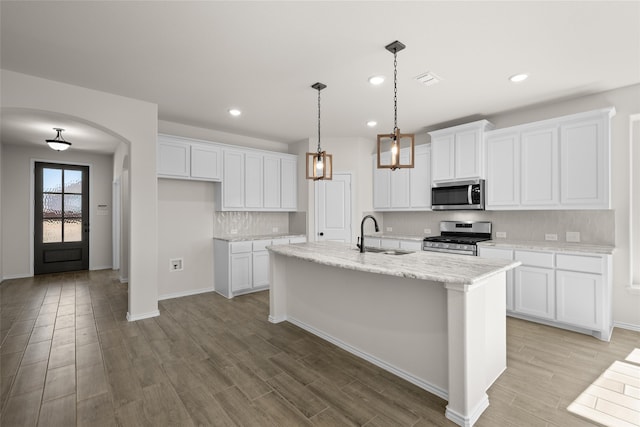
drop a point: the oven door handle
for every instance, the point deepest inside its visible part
(469, 188)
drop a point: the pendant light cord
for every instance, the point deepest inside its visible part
(319, 123)
(395, 92)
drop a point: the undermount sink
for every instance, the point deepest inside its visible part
(387, 251)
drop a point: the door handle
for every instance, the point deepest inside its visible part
(321, 234)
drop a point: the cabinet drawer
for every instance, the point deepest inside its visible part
(536, 259)
(298, 240)
(411, 245)
(284, 241)
(587, 264)
(496, 253)
(390, 243)
(261, 245)
(241, 247)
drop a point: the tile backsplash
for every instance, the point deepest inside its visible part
(594, 226)
(245, 223)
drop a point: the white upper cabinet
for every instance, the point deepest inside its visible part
(289, 183)
(457, 153)
(233, 180)
(253, 180)
(183, 158)
(272, 182)
(562, 163)
(403, 189)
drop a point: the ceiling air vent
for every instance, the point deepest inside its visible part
(428, 78)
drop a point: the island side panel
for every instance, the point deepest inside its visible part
(277, 287)
(399, 324)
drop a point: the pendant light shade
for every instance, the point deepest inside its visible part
(58, 143)
(319, 163)
(395, 150)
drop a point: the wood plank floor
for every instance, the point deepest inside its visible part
(69, 357)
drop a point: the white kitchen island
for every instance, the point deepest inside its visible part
(436, 320)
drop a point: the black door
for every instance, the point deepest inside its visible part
(61, 239)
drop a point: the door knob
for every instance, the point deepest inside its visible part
(321, 233)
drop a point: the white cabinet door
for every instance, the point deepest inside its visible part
(411, 245)
(288, 184)
(584, 164)
(173, 159)
(233, 180)
(400, 184)
(502, 254)
(381, 184)
(241, 271)
(206, 162)
(539, 153)
(271, 182)
(535, 292)
(253, 180)
(442, 157)
(260, 269)
(420, 179)
(467, 154)
(503, 170)
(580, 299)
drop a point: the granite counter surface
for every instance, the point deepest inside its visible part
(248, 237)
(432, 266)
(549, 246)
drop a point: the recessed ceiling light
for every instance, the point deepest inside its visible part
(376, 80)
(372, 123)
(235, 112)
(517, 78)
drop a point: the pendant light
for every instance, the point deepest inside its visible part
(58, 143)
(319, 164)
(401, 146)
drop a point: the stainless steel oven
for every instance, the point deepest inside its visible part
(460, 195)
(458, 237)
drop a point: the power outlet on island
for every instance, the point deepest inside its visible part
(552, 237)
(175, 264)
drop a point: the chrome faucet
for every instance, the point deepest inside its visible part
(361, 238)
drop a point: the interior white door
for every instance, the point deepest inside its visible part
(333, 208)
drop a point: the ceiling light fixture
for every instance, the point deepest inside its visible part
(235, 112)
(517, 78)
(372, 123)
(376, 80)
(319, 164)
(58, 143)
(398, 144)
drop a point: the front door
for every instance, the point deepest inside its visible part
(333, 208)
(61, 229)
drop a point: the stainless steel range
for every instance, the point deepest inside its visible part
(458, 237)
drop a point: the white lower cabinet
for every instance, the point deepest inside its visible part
(243, 267)
(567, 290)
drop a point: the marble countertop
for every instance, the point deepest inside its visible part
(432, 266)
(247, 237)
(395, 236)
(550, 246)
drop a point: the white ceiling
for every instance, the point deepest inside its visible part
(198, 59)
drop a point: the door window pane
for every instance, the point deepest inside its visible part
(51, 230)
(72, 205)
(52, 180)
(72, 229)
(72, 181)
(51, 205)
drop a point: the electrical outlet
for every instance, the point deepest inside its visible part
(175, 264)
(427, 231)
(551, 237)
(233, 231)
(501, 234)
(573, 236)
(275, 229)
(389, 229)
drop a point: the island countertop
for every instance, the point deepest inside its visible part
(432, 266)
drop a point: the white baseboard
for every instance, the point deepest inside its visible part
(101, 267)
(372, 359)
(124, 280)
(273, 319)
(185, 293)
(16, 276)
(629, 326)
(148, 315)
(470, 420)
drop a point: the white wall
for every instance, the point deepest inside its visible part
(1, 235)
(17, 181)
(133, 121)
(185, 230)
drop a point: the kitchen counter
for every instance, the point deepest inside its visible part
(247, 237)
(436, 320)
(431, 266)
(550, 246)
(395, 236)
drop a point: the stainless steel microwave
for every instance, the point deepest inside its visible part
(460, 195)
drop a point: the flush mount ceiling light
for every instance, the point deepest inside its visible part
(376, 80)
(319, 164)
(58, 143)
(401, 147)
(372, 123)
(235, 112)
(517, 78)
